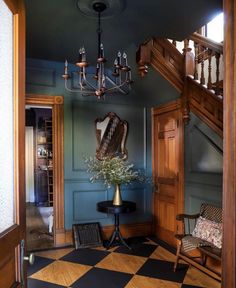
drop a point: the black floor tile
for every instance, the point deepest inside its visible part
(163, 244)
(85, 256)
(138, 249)
(39, 263)
(163, 270)
(33, 283)
(101, 278)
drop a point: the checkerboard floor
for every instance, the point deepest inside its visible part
(147, 265)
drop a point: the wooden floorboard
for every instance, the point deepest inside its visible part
(37, 233)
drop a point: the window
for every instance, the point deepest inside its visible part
(7, 218)
(215, 28)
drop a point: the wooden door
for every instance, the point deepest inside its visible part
(12, 188)
(168, 171)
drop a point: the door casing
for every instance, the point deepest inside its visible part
(56, 103)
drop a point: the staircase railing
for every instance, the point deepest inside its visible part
(202, 60)
(196, 72)
(207, 68)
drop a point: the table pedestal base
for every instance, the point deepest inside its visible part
(116, 235)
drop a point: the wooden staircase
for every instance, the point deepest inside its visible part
(195, 73)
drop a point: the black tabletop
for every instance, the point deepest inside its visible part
(108, 207)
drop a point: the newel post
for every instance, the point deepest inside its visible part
(189, 63)
(143, 57)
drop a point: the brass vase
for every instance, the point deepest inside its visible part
(117, 200)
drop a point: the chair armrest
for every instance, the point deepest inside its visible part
(179, 236)
(181, 217)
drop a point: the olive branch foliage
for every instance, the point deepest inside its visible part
(112, 171)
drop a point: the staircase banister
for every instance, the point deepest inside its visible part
(206, 42)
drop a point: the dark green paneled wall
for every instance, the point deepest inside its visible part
(203, 162)
(81, 196)
(203, 165)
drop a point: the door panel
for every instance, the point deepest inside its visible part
(11, 237)
(167, 169)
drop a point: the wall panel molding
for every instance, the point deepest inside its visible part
(83, 123)
(41, 76)
(86, 200)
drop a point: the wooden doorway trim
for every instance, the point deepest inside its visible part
(56, 102)
(229, 174)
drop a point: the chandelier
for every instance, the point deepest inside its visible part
(101, 83)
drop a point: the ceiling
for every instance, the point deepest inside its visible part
(56, 29)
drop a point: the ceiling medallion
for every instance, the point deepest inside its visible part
(113, 8)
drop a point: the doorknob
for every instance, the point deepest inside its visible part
(30, 258)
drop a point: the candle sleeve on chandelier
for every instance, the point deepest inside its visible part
(101, 51)
(66, 67)
(80, 55)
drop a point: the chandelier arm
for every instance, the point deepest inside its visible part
(78, 90)
(89, 84)
(118, 87)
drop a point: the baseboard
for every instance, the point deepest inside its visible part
(64, 238)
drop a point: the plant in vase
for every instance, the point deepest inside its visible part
(112, 171)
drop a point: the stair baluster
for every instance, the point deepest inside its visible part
(174, 43)
(196, 49)
(217, 89)
(202, 79)
(209, 83)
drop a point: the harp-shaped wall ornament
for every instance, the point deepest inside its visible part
(111, 133)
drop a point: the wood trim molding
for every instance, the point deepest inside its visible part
(56, 102)
(229, 162)
(127, 230)
(168, 61)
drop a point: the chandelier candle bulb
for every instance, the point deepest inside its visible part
(80, 55)
(83, 55)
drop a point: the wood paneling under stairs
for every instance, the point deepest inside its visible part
(206, 105)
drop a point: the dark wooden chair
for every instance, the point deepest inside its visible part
(205, 249)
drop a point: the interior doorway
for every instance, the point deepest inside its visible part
(39, 177)
(44, 165)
